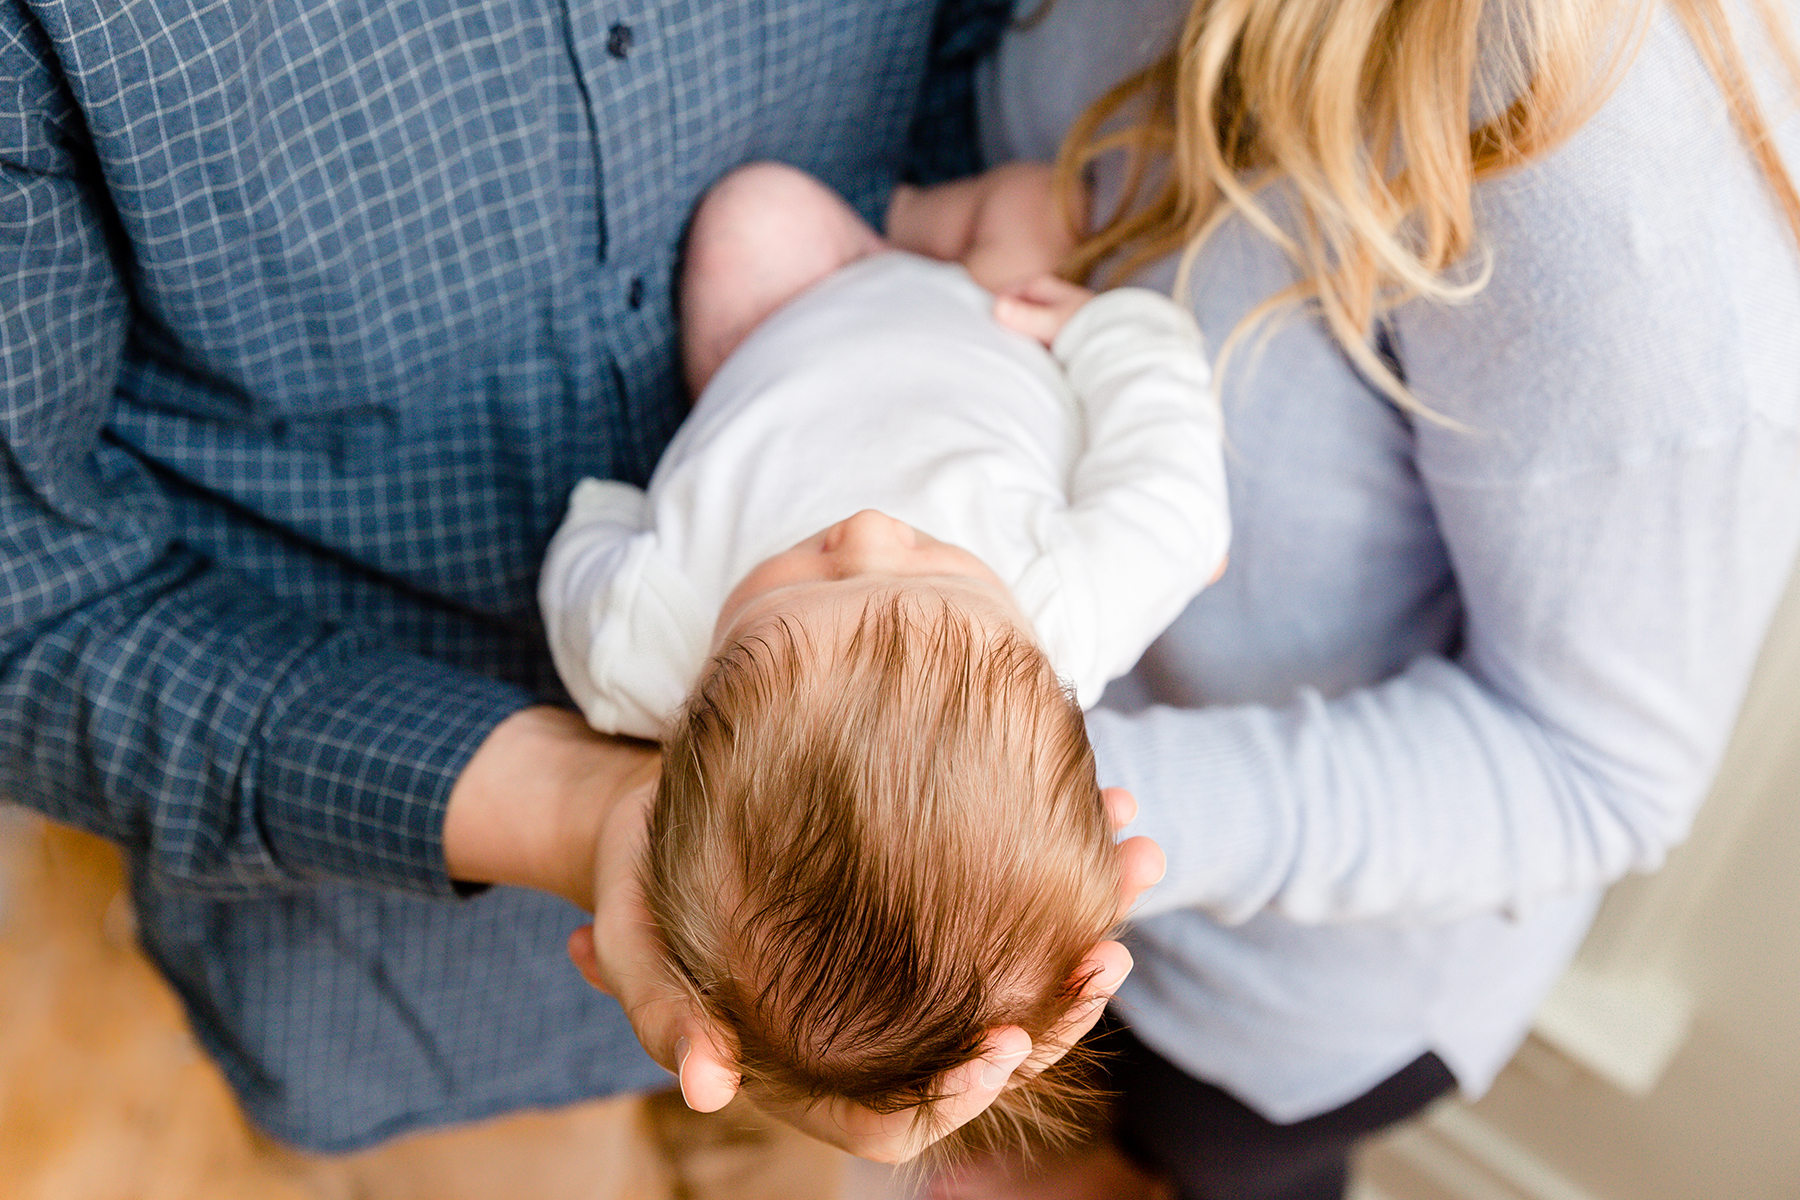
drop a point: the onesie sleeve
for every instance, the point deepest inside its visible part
(1146, 526)
(626, 630)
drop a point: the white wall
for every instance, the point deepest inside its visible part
(1668, 1065)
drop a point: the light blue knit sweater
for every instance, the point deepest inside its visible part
(1457, 678)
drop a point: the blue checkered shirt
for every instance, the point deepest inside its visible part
(311, 313)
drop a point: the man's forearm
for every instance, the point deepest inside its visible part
(528, 808)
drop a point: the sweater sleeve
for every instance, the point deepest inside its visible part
(1612, 623)
(1146, 525)
(237, 745)
(1618, 495)
(1569, 742)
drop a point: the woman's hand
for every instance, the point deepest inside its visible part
(620, 954)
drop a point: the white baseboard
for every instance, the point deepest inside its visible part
(1624, 1028)
(1452, 1154)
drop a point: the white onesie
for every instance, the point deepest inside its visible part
(1095, 491)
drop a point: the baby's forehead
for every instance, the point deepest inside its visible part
(831, 620)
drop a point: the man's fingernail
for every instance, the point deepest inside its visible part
(1105, 986)
(997, 1069)
(682, 1047)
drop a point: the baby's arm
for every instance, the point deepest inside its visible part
(1006, 225)
(626, 632)
(1146, 527)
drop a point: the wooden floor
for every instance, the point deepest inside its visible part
(104, 1095)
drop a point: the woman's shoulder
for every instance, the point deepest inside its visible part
(1644, 292)
(1052, 65)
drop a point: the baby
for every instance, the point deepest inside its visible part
(889, 556)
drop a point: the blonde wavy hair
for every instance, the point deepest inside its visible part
(1362, 107)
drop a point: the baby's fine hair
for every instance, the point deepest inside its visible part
(865, 855)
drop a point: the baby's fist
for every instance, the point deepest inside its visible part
(1040, 307)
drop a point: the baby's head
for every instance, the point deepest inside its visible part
(878, 833)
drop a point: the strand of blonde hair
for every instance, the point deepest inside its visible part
(1361, 110)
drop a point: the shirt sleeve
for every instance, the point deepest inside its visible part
(1616, 488)
(1146, 526)
(145, 694)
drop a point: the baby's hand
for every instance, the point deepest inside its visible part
(1040, 307)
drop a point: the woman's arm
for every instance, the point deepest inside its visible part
(1610, 630)
(1619, 504)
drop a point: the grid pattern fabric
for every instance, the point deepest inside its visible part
(311, 313)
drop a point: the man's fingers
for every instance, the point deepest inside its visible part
(967, 1090)
(707, 1081)
(1121, 806)
(1007, 1047)
(1106, 967)
(971, 1087)
(1141, 866)
(678, 1036)
(672, 1031)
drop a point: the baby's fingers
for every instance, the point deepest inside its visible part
(1053, 292)
(1142, 865)
(1036, 321)
(1040, 306)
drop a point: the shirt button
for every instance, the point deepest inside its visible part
(618, 41)
(634, 295)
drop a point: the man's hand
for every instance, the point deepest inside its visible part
(528, 808)
(624, 959)
(549, 804)
(621, 955)
(1040, 307)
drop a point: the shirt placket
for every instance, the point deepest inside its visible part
(619, 49)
